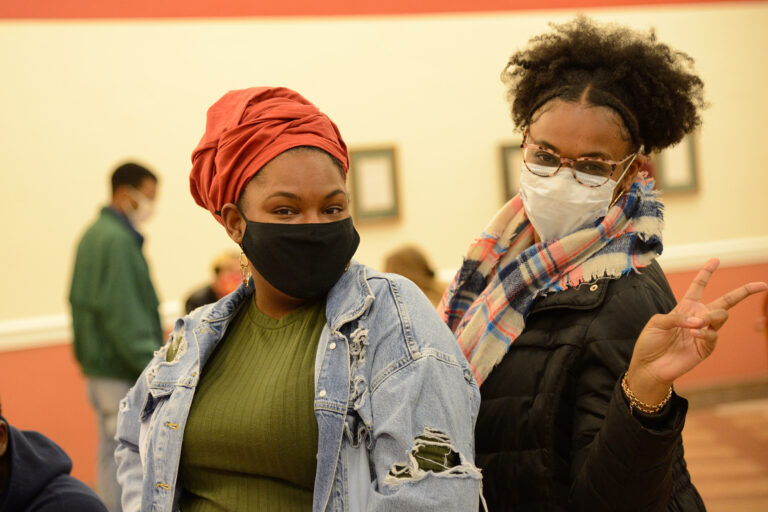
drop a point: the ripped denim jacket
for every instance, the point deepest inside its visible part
(395, 403)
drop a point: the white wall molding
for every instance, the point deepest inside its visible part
(732, 253)
(680, 258)
(36, 331)
(54, 330)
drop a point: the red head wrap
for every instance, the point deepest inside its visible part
(246, 129)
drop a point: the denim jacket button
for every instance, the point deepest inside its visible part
(321, 393)
(332, 345)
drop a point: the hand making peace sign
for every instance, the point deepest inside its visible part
(671, 345)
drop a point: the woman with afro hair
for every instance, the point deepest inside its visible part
(567, 319)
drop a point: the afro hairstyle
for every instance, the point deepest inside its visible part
(651, 86)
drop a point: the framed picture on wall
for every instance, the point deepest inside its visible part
(511, 160)
(675, 168)
(373, 183)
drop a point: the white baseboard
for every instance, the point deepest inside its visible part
(680, 258)
(54, 330)
(732, 253)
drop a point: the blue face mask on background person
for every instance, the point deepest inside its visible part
(301, 260)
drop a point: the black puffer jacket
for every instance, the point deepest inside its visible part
(555, 431)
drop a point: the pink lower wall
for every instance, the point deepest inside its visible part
(42, 388)
(742, 349)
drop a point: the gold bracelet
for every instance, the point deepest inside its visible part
(642, 406)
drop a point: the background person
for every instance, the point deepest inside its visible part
(411, 262)
(321, 384)
(114, 309)
(577, 410)
(34, 475)
(226, 279)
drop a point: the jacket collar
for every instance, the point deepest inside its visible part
(120, 216)
(349, 298)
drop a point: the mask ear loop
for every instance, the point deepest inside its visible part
(629, 165)
(240, 212)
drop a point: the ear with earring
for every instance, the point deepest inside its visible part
(245, 270)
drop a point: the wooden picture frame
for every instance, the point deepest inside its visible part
(511, 161)
(373, 184)
(675, 168)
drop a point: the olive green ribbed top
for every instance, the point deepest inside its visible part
(251, 437)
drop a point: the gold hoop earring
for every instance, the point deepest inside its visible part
(245, 270)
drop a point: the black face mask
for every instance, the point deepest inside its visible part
(301, 260)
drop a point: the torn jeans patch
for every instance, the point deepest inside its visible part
(433, 452)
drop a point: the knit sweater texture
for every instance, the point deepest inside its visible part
(250, 442)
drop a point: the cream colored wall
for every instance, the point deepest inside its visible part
(78, 97)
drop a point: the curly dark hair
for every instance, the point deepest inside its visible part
(651, 86)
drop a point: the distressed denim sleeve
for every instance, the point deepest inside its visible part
(129, 472)
(424, 409)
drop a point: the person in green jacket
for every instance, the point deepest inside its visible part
(115, 309)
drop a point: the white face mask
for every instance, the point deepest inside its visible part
(559, 205)
(145, 207)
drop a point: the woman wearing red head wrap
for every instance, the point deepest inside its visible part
(319, 384)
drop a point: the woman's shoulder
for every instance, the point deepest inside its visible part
(641, 288)
(391, 282)
(646, 286)
(364, 287)
(629, 302)
(400, 305)
(205, 323)
(399, 294)
(605, 310)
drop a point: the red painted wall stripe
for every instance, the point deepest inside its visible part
(57, 9)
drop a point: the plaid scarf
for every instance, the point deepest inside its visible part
(504, 271)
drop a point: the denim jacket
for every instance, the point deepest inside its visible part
(391, 388)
